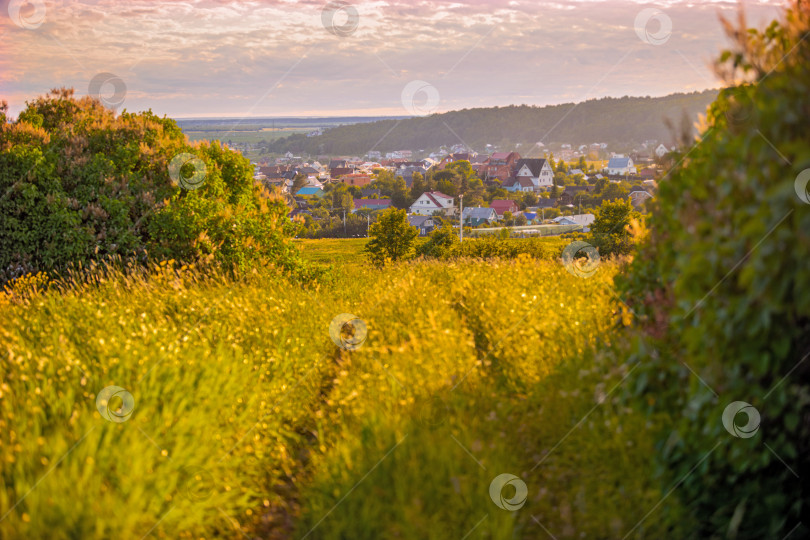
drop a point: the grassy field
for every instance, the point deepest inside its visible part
(337, 251)
(249, 420)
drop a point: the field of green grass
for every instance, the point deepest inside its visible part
(248, 419)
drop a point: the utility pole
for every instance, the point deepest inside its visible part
(461, 218)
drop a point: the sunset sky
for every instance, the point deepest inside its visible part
(278, 58)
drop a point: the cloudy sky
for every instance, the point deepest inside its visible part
(295, 58)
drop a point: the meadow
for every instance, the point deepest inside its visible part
(248, 420)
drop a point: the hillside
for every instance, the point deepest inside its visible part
(616, 121)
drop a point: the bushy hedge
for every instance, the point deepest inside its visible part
(723, 295)
(80, 183)
(443, 243)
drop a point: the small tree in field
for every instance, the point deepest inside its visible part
(609, 230)
(392, 238)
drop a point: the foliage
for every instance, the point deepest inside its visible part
(724, 299)
(391, 238)
(442, 243)
(80, 183)
(609, 231)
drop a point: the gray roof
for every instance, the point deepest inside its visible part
(542, 202)
(535, 165)
(479, 213)
(418, 221)
(618, 162)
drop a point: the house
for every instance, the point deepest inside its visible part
(537, 170)
(575, 172)
(518, 183)
(452, 158)
(620, 165)
(432, 202)
(478, 215)
(504, 205)
(337, 172)
(309, 192)
(356, 179)
(501, 165)
(579, 219)
(572, 193)
(425, 224)
(542, 203)
(661, 150)
(337, 163)
(371, 204)
(638, 195)
(647, 174)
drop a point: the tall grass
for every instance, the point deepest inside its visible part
(249, 420)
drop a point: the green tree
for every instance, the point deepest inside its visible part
(299, 181)
(443, 242)
(723, 297)
(392, 238)
(418, 186)
(609, 230)
(81, 183)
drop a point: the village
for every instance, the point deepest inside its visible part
(340, 197)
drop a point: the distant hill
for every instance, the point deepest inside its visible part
(620, 122)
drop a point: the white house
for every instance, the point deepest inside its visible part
(537, 170)
(661, 150)
(619, 165)
(431, 202)
(578, 219)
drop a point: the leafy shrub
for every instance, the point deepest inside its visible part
(442, 243)
(609, 231)
(391, 238)
(723, 296)
(80, 183)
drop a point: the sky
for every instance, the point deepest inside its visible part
(210, 58)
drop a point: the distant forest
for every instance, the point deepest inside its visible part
(619, 122)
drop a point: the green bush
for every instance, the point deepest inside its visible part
(609, 230)
(442, 243)
(79, 183)
(723, 296)
(391, 238)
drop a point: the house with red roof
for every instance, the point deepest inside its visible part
(504, 205)
(432, 202)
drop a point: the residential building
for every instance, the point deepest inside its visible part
(620, 165)
(478, 215)
(355, 179)
(432, 202)
(538, 170)
(371, 204)
(425, 224)
(501, 165)
(578, 219)
(504, 205)
(309, 192)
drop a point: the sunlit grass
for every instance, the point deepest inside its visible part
(248, 417)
